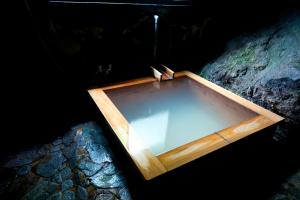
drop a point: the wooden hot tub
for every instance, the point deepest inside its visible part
(164, 125)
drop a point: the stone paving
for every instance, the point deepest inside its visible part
(78, 165)
(290, 189)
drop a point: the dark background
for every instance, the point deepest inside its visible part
(53, 52)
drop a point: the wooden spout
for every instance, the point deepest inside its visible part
(163, 73)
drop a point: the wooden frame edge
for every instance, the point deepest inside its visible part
(147, 163)
(234, 97)
(245, 128)
(150, 165)
(191, 151)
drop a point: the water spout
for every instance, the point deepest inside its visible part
(156, 17)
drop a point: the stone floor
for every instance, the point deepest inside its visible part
(290, 189)
(78, 165)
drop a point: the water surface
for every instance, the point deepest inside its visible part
(168, 114)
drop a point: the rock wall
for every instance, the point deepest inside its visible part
(264, 67)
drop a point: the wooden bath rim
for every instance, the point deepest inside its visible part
(152, 166)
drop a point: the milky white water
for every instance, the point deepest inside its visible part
(166, 115)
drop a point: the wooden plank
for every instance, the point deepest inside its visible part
(156, 73)
(180, 74)
(191, 151)
(245, 128)
(151, 165)
(169, 71)
(212, 142)
(147, 163)
(116, 120)
(244, 102)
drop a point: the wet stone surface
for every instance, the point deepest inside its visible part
(78, 165)
(82, 193)
(290, 189)
(51, 164)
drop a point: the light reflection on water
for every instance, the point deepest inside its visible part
(169, 114)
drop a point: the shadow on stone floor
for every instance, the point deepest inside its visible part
(253, 168)
(79, 165)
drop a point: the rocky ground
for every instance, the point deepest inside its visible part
(290, 189)
(264, 67)
(78, 165)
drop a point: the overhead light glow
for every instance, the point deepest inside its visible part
(156, 18)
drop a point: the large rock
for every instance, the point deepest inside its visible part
(264, 67)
